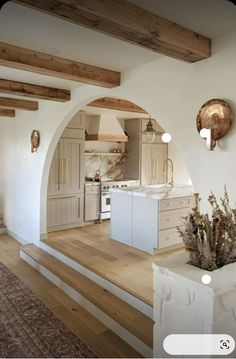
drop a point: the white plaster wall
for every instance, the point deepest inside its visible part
(172, 91)
(23, 186)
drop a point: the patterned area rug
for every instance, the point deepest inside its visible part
(28, 329)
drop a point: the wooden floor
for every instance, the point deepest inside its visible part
(92, 332)
(127, 267)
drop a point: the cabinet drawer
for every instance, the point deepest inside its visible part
(169, 219)
(93, 189)
(169, 237)
(174, 203)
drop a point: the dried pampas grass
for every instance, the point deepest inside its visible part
(210, 241)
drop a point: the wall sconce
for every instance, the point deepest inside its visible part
(35, 140)
(213, 121)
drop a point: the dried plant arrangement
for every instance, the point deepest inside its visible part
(210, 240)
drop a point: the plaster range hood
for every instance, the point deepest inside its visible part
(105, 127)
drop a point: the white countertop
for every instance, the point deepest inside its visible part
(156, 191)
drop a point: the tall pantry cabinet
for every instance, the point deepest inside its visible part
(65, 204)
(144, 161)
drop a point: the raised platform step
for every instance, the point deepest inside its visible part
(113, 286)
(124, 320)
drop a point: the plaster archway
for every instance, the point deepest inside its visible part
(49, 156)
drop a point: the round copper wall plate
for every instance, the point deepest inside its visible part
(215, 114)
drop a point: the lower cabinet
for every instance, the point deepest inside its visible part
(92, 207)
(65, 212)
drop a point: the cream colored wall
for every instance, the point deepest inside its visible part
(170, 90)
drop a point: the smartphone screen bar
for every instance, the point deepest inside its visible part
(199, 344)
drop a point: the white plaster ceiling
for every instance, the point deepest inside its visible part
(38, 31)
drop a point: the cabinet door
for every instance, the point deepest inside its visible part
(72, 165)
(152, 161)
(65, 211)
(92, 207)
(54, 174)
(78, 121)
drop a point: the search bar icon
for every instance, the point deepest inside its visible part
(199, 344)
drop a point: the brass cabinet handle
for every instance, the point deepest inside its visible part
(61, 171)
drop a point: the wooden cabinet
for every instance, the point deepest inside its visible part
(152, 161)
(144, 161)
(92, 201)
(65, 212)
(171, 213)
(67, 168)
(78, 121)
(92, 207)
(66, 181)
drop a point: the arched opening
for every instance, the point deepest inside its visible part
(121, 163)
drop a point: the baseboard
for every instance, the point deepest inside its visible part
(16, 237)
(43, 236)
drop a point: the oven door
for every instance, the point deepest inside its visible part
(105, 202)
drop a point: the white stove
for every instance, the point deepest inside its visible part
(106, 196)
(106, 185)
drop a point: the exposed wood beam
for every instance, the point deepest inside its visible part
(17, 103)
(34, 61)
(5, 112)
(130, 23)
(35, 91)
(116, 104)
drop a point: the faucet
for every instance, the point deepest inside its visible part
(165, 171)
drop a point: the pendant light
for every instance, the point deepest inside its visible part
(149, 132)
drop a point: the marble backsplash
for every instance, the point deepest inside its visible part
(110, 165)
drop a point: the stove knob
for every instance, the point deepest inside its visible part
(125, 185)
(117, 186)
(113, 186)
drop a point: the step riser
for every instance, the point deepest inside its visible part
(3, 231)
(102, 282)
(123, 333)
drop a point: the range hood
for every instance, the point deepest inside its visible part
(105, 127)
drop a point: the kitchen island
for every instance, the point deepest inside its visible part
(147, 217)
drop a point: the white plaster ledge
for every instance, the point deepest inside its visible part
(183, 305)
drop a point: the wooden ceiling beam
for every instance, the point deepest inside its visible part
(130, 23)
(116, 104)
(34, 91)
(17, 103)
(5, 112)
(38, 62)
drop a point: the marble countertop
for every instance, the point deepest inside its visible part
(157, 191)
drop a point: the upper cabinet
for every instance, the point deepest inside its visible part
(67, 168)
(144, 161)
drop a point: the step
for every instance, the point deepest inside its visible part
(3, 229)
(96, 276)
(123, 319)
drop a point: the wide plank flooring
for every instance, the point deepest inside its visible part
(92, 332)
(127, 267)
